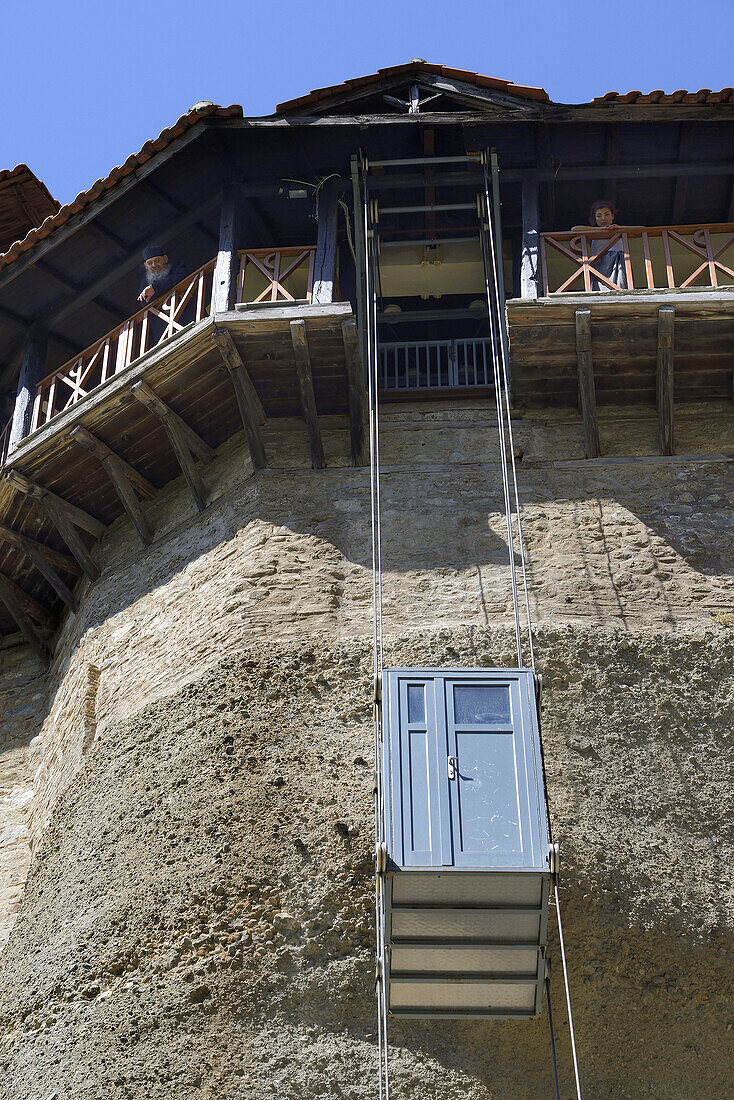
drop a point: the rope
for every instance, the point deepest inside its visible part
(503, 454)
(377, 642)
(506, 378)
(568, 993)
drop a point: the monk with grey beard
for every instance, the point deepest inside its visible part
(161, 275)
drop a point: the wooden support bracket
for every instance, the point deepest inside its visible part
(185, 442)
(32, 607)
(305, 387)
(8, 595)
(55, 557)
(665, 378)
(252, 413)
(66, 518)
(126, 480)
(587, 391)
(37, 553)
(357, 394)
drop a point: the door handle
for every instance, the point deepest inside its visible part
(453, 765)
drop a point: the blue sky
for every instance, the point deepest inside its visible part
(85, 84)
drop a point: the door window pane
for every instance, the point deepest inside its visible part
(478, 703)
(416, 703)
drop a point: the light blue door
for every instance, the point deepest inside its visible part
(418, 794)
(489, 772)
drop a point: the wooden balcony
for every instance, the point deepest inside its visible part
(264, 276)
(664, 338)
(154, 399)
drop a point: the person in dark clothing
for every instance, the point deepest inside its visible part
(161, 275)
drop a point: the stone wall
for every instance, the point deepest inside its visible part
(638, 548)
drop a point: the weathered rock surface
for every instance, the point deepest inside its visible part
(197, 926)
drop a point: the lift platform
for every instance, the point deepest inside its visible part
(466, 857)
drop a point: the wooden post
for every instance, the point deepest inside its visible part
(184, 440)
(587, 391)
(665, 378)
(224, 282)
(357, 394)
(32, 370)
(529, 254)
(324, 269)
(37, 553)
(249, 404)
(125, 481)
(305, 386)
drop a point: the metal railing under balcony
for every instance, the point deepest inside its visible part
(637, 258)
(265, 275)
(435, 364)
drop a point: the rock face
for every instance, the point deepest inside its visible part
(198, 917)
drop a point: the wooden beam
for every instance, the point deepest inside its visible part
(9, 598)
(32, 370)
(357, 394)
(324, 269)
(305, 386)
(65, 517)
(252, 413)
(28, 547)
(148, 397)
(529, 255)
(55, 557)
(224, 282)
(587, 392)
(665, 378)
(32, 607)
(125, 480)
(75, 515)
(102, 450)
(184, 440)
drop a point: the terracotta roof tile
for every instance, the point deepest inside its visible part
(704, 95)
(24, 202)
(469, 77)
(85, 198)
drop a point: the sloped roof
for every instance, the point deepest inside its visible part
(704, 95)
(410, 68)
(24, 203)
(85, 198)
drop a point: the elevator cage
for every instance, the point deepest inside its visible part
(468, 862)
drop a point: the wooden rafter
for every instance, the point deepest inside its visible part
(305, 387)
(252, 413)
(185, 442)
(127, 482)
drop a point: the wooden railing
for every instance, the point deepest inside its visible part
(265, 275)
(643, 258)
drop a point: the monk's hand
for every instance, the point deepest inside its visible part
(146, 295)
